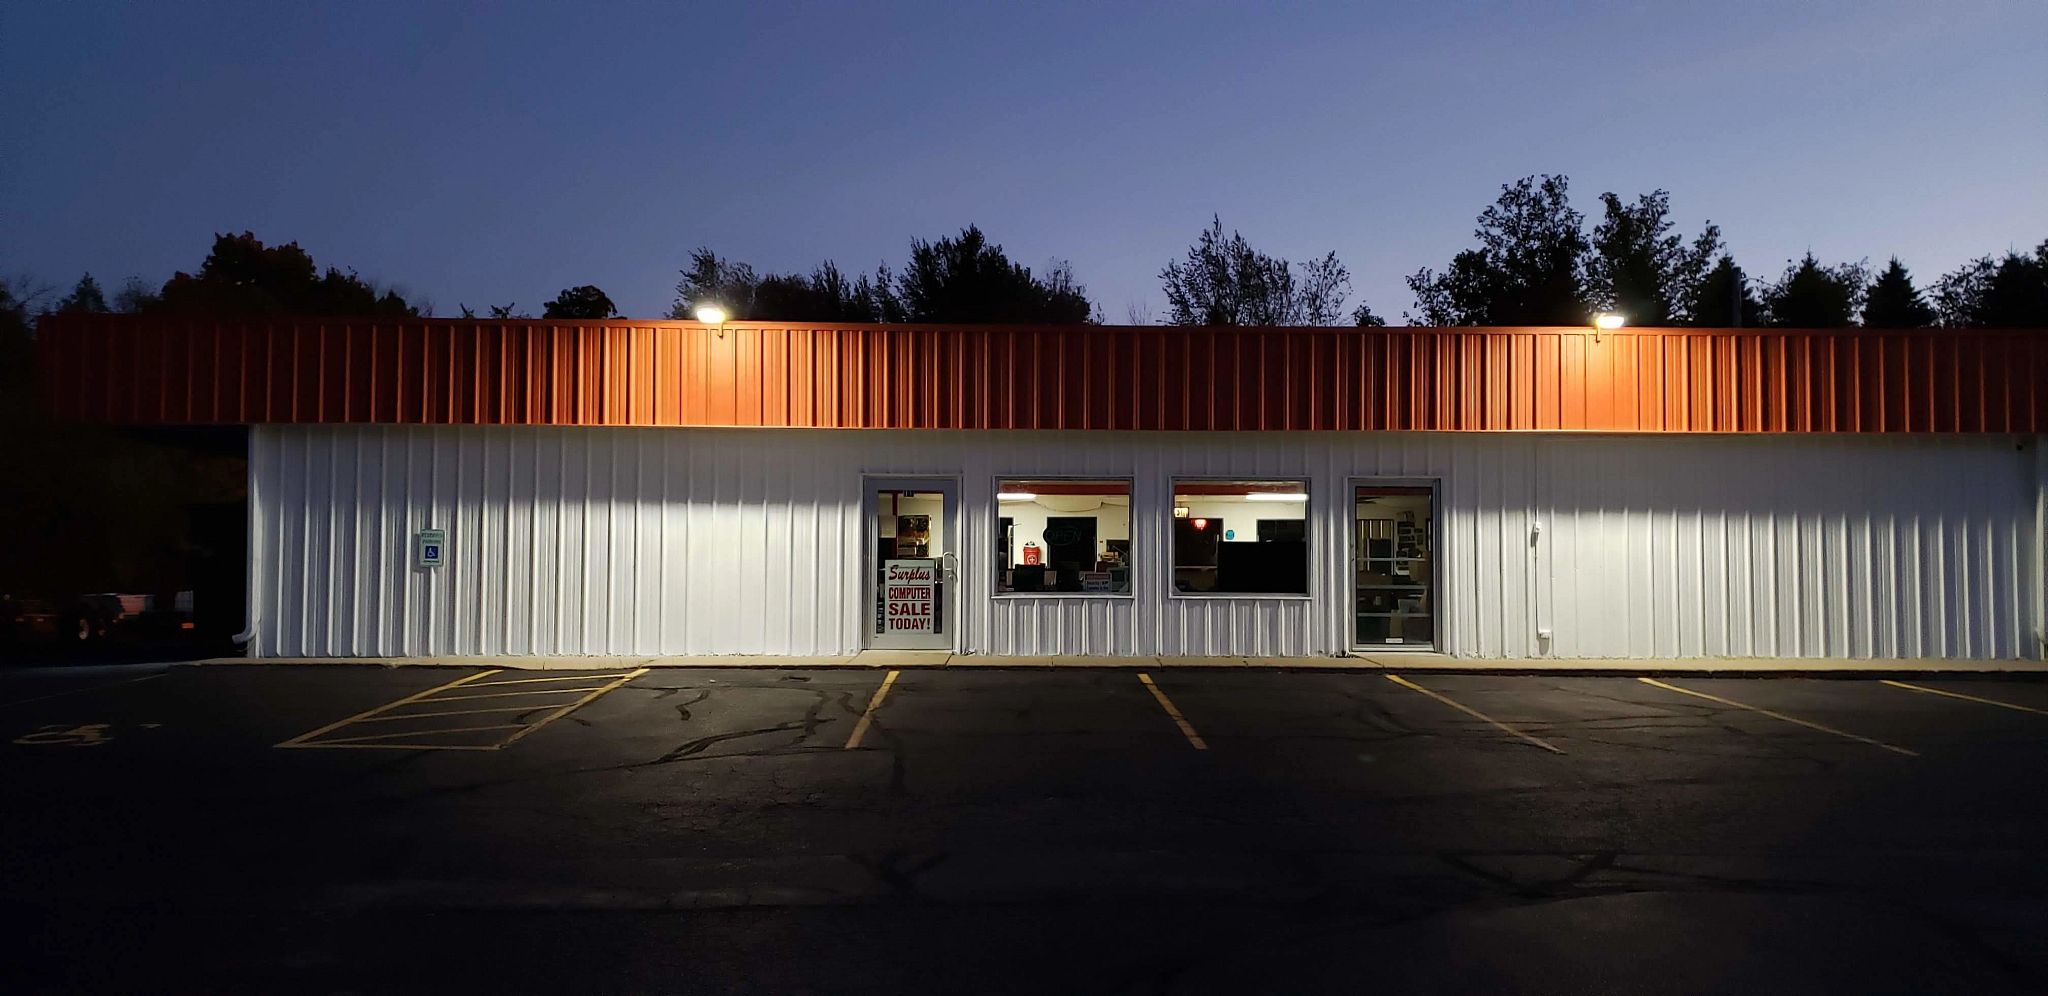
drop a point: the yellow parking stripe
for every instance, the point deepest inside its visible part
(1475, 714)
(507, 695)
(860, 729)
(419, 733)
(1966, 698)
(580, 676)
(1809, 724)
(415, 697)
(335, 745)
(398, 716)
(571, 707)
(1187, 729)
(433, 698)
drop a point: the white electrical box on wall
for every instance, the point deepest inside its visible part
(430, 547)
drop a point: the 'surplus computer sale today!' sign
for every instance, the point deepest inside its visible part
(908, 605)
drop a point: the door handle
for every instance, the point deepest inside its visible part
(950, 565)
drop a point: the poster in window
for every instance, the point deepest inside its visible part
(909, 590)
(913, 535)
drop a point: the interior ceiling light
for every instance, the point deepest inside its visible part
(1276, 496)
(1015, 496)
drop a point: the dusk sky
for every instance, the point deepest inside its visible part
(487, 154)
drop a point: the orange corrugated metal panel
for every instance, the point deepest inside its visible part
(134, 369)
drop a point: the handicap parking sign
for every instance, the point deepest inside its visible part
(430, 545)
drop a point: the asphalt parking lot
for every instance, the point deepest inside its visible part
(362, 829)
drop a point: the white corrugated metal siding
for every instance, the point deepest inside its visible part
(656, 541)
(1780, 546)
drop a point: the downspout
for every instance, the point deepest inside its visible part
(248, 633)
(2039, 554)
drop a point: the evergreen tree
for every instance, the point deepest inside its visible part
(1894, 303)
(2005, 293)
(1715, 300)
(1812, 296)
(85, 299)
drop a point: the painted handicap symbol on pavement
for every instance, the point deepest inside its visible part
(61, 735)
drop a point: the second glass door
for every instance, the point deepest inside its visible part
(1393, 567)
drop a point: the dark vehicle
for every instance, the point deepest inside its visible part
(92, 627)
(92, 617)
(23, 619)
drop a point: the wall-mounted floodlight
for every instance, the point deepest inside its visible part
(710, 314)
(1608, 321)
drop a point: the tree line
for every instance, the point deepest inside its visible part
(1536, 264)
(958, 279)
(242, 276)
(1534, 261)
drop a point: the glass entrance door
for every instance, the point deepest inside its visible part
(1393, 567)
(911, 568)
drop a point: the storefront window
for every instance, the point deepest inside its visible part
(1240, 537)
(1063, 536)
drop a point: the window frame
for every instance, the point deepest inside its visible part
(1308, 515)
(995, 523)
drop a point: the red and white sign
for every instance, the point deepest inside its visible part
(908, 605)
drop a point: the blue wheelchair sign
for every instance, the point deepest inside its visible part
(430, 546)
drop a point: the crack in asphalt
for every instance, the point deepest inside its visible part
(683, 708)
(691, 748)
(806, 727)
(1530, 890)
(1725, 883)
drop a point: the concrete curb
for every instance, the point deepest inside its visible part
(1385, 663)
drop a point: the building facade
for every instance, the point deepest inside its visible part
(617, 488)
